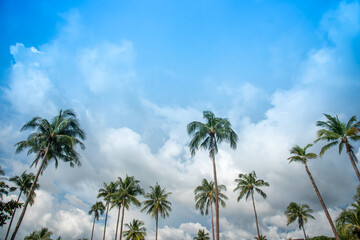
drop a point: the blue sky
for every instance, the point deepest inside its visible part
(137, 72)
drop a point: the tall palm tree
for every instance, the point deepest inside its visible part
(129, 189)
(246, 184)
(97, 209)
(52, 140)
(116, 201)
(106, 193)
(338, 133)
(349, 220)
(136, 230)
(202, 235)
(301, 155)
(207, 136)
(157, 204)
(205, 197)
(42, 234)
(300, 212)
(23, 182)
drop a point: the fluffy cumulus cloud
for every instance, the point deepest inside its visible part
(129, 134)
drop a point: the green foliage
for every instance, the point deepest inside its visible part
(208, 135)
(97, 209)
(7, 209)
(205, 196)
(42, 234)
(51, 141)
(247, 183)
(262, 237)
(338, 133)
(348, 222)
(157, 203)
(23, 183)
(301, 155)
(128, 189)
(54, 140)
(322, 238)
(136, 230)
(300, 212)
(202, 235)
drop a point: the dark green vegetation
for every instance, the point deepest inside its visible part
(136, 230)
(246, 184)
(57, 140)
(202, 235)
(205, 197)
(52, 141)
(299, 212)
(207, 136)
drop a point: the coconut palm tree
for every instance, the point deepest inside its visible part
(55, 140)
(338, 133)
(97, 209)
(262, 237)
(157, 204)
(301, 155)
(136, 230)
(207, 136)
(23, 182)
(205, 197)
(202, 235)
(246, 184)
(129, 189)
(106, 193)
(299, 212)
(116, 201)
(349, 221)
(42, 234)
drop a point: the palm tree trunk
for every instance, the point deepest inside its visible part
(92, 232)
(352, 160)
(212, 220)
(322, 203)
(157, 222)
(107, 211)
(122, 222)
(256, 220)
(303, 228)
(12, 217)
(30, 193)
(216, 190)
(117, 223)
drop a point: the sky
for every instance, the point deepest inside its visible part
(137, 72)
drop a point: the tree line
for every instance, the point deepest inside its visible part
(58, 139)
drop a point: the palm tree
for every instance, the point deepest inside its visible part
(247, 183)
(301, 155)
(300, 212)
(262, 237)
(157, 204)
(116, 200)
(52, 140)
(136, 231)
(43, 234)
(205, 197)
(202, 235)
(129, 188)
(207, 136)
(338, 133)
(97, 209)
(23, 182)
(349, 220)
(106, 193)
